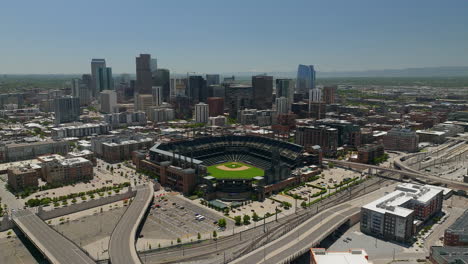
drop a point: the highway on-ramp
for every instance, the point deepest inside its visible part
(56, 248)
(303, 237)
(122, 242)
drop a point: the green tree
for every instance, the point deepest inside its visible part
(198, 236)
(215, 234)
(222, 222)
(246, 219)
(238, 220)
(255, 217)
(178, 240)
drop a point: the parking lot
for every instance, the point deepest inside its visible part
(175, 217)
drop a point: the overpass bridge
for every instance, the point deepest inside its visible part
(122, 241)
(55, 247)
(299, 240)
(405, 171)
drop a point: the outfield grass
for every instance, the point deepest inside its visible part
(244, 174)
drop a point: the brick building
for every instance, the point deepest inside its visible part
(369, 152)
(325, 137)
(67, 171)
(20, 178)
(215, 106)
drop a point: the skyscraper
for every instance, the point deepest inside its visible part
(212, 79)
(201, 113)
(67, 109)
(104, 79)
(262, 91)
(157, 92)
(197, 91)
(96, 64)
(305, 79)
(162, 78)
(143, 74)
(285, 88)
(80, 89)
(216, 106)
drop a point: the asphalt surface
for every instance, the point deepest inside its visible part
(290, 244)
(408, 172)
(231, 247)
(122, 242)
(54, 246)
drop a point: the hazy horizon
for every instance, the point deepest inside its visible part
(242, 36)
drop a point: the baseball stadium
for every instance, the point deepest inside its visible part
(231, 167)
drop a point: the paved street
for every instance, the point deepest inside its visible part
(57, 248)
(122, 242)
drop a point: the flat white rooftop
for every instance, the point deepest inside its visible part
(393, 202)
(328, 257)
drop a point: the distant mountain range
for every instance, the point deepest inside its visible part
(408, 72)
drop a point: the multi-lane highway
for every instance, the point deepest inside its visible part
(122, 242)
(56, 248)
(404, 171)
(299, 240)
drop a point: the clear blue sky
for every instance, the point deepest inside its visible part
(61, 36)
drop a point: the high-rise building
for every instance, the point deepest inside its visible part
(154, 66)
(105, 80)
(67, 109)
(162, 78)
(238, 97)
(108, 101)
(305, 79)
(197, 91)
(216, 90)
(81, 90)
(216, 106)
(157, 92)
(143, 74)
(177, 87)
(282, 105)
(329, 94)
(315, 95)
(285, 88)
(201, 113)
(262, 91)
(212, 79)
(96, 64)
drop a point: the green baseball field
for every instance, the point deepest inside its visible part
(234, 170)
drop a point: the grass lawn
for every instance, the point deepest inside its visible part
(244, 174)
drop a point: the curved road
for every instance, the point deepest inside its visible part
(56, 248)
(405, 171)
(122, 242)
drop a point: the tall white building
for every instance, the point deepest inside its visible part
(108, 101)
(315, 95)
(282, 106)
(201, 113)
(157, 92)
